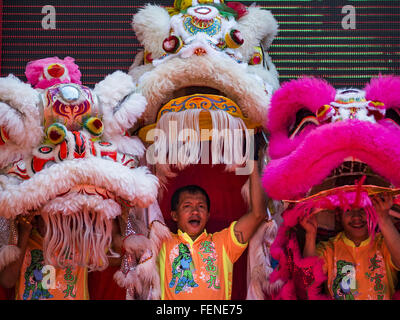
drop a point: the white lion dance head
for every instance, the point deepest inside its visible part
(66, 155)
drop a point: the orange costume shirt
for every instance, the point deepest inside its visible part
(200, 269)
(365, 272)
(70, 283)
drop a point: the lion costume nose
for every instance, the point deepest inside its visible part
(200, 52)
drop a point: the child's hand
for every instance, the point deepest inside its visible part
(382, 204)
(310, 224)
(25, 223)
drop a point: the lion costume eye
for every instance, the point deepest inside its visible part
(393, 115)
(304, 118)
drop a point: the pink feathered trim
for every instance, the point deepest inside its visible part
(307, 92)
(311, 94)
(385, 89)
(343, 200)
(289, 266)
(325, 149)
(34, 70)
(285, 248)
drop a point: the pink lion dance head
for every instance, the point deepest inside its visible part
(47, 72)
(328, 149)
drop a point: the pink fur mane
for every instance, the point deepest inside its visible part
(310, 93)
(309, 158)
(34, 69)
(303, 277)
(305, 161)
(385, 89)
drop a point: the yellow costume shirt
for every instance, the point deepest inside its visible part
(365, 272)
(70, 283)
(200, 269)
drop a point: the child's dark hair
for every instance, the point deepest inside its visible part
(192, 189)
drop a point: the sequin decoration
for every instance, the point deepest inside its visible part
(194, 25)
(128, 262)
(303, 277)
(4, 231)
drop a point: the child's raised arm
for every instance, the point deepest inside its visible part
(390, 234)
(310, 226)
(249, 222)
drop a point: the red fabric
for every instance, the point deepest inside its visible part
(396, 295)
(227, 205)
(103, 287)
(7, 294)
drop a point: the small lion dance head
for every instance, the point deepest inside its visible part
(66, 154)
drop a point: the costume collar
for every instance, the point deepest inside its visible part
(350, 243)
(188, 239)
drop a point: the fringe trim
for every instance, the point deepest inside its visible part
(158, 233)
(141, 280)
(181, 145)
(138, 185)
(259, 284)
(290, 289)
(78, 239)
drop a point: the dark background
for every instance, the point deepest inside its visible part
(311, 40)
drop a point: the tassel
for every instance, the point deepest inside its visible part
(181, 145)
(78, 239)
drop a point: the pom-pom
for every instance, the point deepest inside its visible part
(255, 59)
(148, 57)
(94, 125)
(56, 133)
(325, 112)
